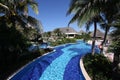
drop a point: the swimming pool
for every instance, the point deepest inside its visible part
(62, 64)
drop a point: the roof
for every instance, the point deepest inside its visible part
(98, 34)
(67, 30)
(81, 32)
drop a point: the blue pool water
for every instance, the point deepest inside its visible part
(62, 64)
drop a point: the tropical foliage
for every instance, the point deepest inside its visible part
(58, 33)
(107, 14)
(84, 36)
(98, 67)
(115, 47)
(63, 41)
(87, 12)
(110, 13)
(17, 29)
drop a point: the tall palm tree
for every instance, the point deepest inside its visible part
(110, 11)
(14, 15)
(57, 33)
(16, 11)
(85, 12)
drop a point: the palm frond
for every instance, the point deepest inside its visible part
(74, 18)
(34, 6)
(32, 20)
(82, 14)
(76, 8)
(88, 24)
(88, 15)
(35, 23)
(73, 7)
(4, 6)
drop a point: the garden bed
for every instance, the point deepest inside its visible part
(98, 67)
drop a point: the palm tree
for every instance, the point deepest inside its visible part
(86, 12)
(89, 11)
(115, 47)
(110, 12)
(15, 19)
(57, 33)
(17, 11)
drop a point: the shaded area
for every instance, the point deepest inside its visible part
(98, 67)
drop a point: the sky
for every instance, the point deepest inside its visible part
(52, 14)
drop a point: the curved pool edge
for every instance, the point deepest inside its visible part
(85, 74)
(17, 71)
(37, 59)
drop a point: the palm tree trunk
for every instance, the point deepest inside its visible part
(105, 36)
(94, 38)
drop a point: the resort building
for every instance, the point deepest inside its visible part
(99, 37)
(68, 31)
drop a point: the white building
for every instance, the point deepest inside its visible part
(69, 32)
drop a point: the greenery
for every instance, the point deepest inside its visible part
(115, 48)
(17, 30)
(98, 67)
(63, 41)
(17, 33)
(22, 60)
(88, 12)
(84, 36)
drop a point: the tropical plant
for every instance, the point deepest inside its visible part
(86, 36)
(86, 13)
(98, 67)
(110, 13)
(57, 33)
(14, 23)
(115, 48)
(116, 41)
(16, 12)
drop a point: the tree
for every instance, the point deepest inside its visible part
(115, 48)
(16, 12)
(57, 33)
(89, 11)
(86, 12)
(110, 13)
(14, 24)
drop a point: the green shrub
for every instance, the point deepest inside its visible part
(63, 41)
(98, 67)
